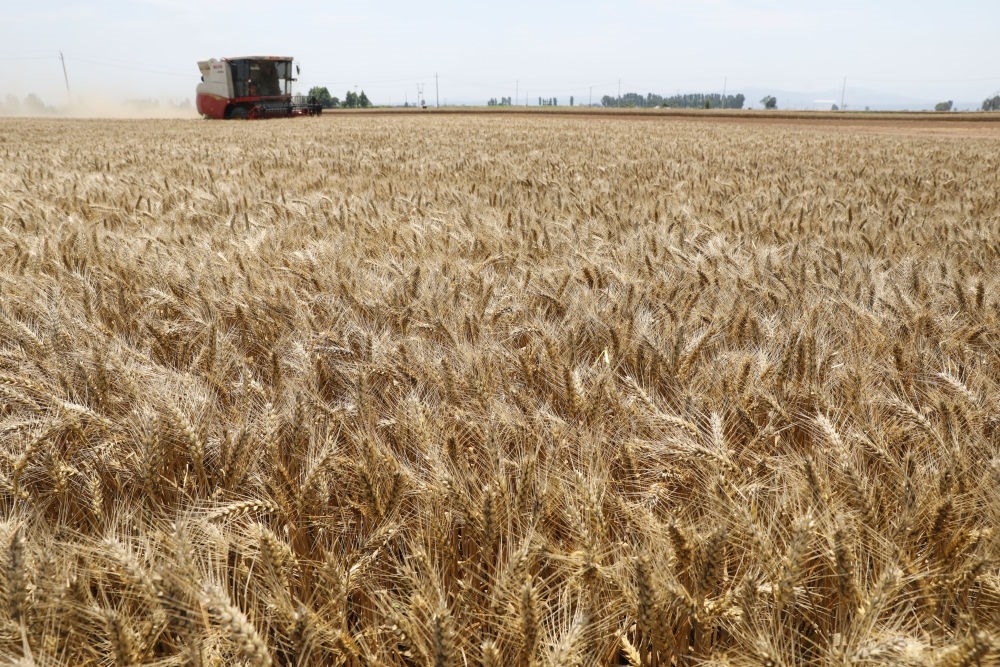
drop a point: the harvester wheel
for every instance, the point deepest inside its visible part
(239, 113)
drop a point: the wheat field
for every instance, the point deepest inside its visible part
(497, 391)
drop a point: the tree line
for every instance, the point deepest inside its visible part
(352, 100)
(31, 105)
(686, 101)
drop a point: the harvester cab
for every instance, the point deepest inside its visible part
(250, 87)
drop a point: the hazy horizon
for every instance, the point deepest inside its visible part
(147, 49)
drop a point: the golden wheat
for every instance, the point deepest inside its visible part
(498, 390)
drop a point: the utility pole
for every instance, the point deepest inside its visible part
(69, 98)
(590, 100)
(843, 92)
(437, 91)
(725, 83)
(517, 84)
(619, 91)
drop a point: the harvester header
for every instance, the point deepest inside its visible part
(251, 87)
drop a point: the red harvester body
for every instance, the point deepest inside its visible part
(250, 87)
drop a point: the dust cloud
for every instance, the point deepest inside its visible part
(96, 106)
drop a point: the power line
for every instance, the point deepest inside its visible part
(135, 68)
(14, 58)
(974, 80)
(340, 82)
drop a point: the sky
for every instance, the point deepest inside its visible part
(921, 51)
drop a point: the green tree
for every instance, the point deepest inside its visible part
(351, 100)
(322, 95)
(944, 106)
(363, 100)
(769, 102)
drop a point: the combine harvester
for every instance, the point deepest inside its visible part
(251, 87)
